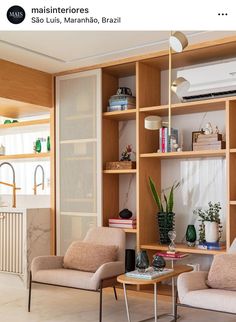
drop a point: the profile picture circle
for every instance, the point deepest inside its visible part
(16, 14)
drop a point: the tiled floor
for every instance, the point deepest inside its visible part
(54, 304)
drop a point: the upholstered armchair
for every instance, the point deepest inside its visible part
(50, 270)
(193, 292)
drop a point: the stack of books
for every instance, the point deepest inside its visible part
(121, 102)
(175, 255)
(166, 143)
(122, 223)
(209, 142)
(212, 246)
(149, 274)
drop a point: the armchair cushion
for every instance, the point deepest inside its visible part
(89, 257)
(222, 272)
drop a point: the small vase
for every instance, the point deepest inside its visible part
(211, 231)
(48, 144)
(158, 263)
(191, 235)
(38, 146)
(142, 261)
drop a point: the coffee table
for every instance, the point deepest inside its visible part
(125, 280)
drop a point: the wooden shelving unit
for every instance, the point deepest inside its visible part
(27, 156)
(121, 171)
(24, 123)
(147, 73)
(130, 230)
(182, 248)
(185, 154)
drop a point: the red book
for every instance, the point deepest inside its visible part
(171, 255)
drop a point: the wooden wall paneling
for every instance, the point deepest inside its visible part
(232, 124)
(232, 224)
(148, 85)
(109, 88)
(25, 84)
(148, 232)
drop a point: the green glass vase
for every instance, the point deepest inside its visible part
(48, 144)
(191, 235)
(38, 146)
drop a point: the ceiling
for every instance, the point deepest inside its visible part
(55, 51)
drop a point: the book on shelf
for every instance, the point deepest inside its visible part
(172, 255)
(200, 146)
(211, 246)
(166, 142)
(120, 107)
(122, 223)
(149, 274)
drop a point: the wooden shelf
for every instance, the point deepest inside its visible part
(232, 150)
(26, 156)
(120, 171)
(130, 230)
(121, 115)
(29, 126)
(183, 248)
(232, 202)
(185, 154)
(187, 108)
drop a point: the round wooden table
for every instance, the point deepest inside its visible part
(126, 280)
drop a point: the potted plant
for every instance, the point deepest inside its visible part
(210, 228)
(165, 215)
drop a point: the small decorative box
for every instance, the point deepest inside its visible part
(120, 165)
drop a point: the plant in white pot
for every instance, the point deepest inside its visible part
(210, 228)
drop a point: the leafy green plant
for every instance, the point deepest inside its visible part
(168, 199)
(211, 214)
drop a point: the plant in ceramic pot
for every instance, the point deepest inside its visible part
(165, 215)
(210, 228)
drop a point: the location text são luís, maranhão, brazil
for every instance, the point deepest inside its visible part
(68, 15)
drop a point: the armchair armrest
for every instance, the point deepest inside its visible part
(192, 281)
(108, 270)
(46, 262)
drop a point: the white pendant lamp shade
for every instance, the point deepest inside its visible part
(180, 86)
(178, 41)
(152, 122)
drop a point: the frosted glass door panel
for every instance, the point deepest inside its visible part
(78, 108)
(74, 228)
(78, 156)
(78, 175)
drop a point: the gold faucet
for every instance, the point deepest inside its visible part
(35, 177)
(13, 185)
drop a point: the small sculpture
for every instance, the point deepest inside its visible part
(217, 131)
(125, 214)
(158, 263)
(126, 154)
(208, 128)
(172, 236)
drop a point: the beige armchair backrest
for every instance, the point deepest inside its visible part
(108, 236)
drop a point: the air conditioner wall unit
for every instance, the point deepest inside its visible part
(210, 81)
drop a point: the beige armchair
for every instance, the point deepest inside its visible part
(193, 292)
(49, 269)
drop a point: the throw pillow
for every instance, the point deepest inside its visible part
(89, 257)
(222, 272)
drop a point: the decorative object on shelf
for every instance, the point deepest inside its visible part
(177, 43)
(126, 154)
(195, 135)
(125, 214)
(129, 260)
(14, 121)
(121, 165)
(168, 143)
(211, 141)
(172, 236)
(142, 261)
(124, 91)
(2, 149)
(123, 100)
(212, 246)
(172, 255)
(208, 129)
(191, 235)
(48, 144)
(38, 146)
(158, 263)
(165, 218)
(7, 121)
(210, 229)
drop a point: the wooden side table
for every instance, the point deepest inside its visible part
(125, 280)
